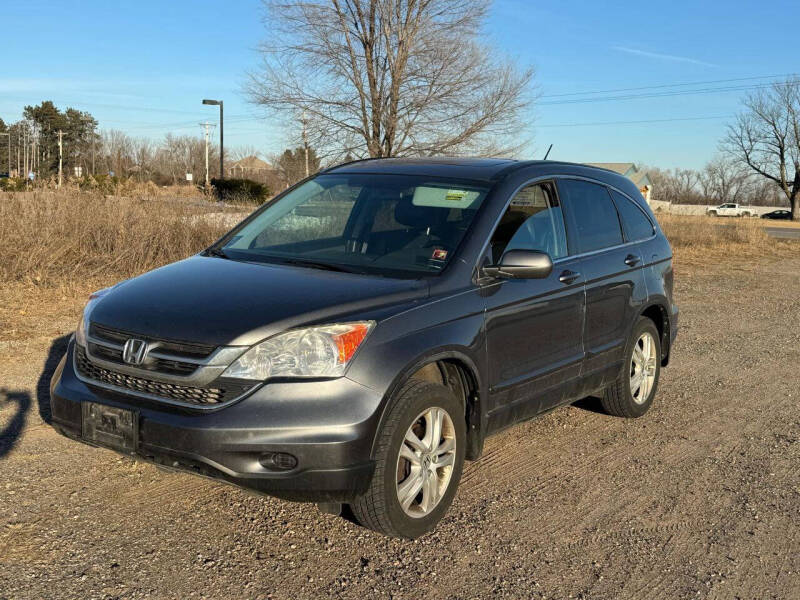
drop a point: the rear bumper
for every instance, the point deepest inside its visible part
(328, 426)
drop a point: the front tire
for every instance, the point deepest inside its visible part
(419, 457)
(632, 393)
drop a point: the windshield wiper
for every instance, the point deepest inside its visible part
(302, 262)
(217, 252)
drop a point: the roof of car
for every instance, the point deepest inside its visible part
(481, 169)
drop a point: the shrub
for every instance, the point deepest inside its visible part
(240, 190)
(13, 184)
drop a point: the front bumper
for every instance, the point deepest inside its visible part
(328, 426)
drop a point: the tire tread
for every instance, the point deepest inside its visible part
(616, 399)
(370, 509)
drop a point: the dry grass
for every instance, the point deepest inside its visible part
(49, 238)
(692, 236)
(54, 238)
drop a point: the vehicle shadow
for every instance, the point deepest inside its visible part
(591, 404)
(57, 349)
(10, 433)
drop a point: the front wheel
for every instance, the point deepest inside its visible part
(418, 461)
(631, 395)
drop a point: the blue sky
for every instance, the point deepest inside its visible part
(144, 66)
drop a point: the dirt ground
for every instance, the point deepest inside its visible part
(699, 499)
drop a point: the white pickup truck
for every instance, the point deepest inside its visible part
(730, 210)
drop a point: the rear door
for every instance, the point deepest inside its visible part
(612, 271)
(533, 326)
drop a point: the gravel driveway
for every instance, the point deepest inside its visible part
(698, 499)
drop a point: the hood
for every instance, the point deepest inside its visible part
(214, 301)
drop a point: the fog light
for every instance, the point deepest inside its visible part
(278, 461)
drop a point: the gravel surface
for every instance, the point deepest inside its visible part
(698, 499)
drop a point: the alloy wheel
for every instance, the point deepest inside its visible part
(643, 368)
(425, 462)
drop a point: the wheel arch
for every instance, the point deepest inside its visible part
(658, 314)
(458, 372)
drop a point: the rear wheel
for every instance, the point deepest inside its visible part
(631, 395)
(418, 461)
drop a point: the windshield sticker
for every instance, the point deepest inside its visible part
(439, 254)
(531, 196)
(439, 197)
(454, 196)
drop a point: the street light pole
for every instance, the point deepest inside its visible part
(221, 135)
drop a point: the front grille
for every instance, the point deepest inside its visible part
(162, 365)
(179, 349)
(174, 365)
(197, 396)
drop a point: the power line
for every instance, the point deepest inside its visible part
(665, 85)
(723, 89)
(635, 122)
(738, 88)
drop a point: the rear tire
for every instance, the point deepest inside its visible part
(632, 393)
(418, 463)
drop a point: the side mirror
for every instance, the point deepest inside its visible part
(521, 264)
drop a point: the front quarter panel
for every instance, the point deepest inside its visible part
(448, 327)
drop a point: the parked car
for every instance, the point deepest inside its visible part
(778, 214)
(357, 353)
(730, 210)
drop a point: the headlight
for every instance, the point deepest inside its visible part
(311, 352)
(83, 325)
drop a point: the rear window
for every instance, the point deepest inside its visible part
(636, 224)
(593, 215)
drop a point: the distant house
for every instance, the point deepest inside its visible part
(250, 167)
(630, 171)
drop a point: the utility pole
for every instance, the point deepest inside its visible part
(60, 155)
(206, 125)
(305, 141)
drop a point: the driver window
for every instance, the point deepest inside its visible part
(533, 221)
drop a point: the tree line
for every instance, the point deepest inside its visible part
(721, 180)
(88, 151)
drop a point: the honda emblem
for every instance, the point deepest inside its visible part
(134, 351)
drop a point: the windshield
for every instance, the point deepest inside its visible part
(387, 224)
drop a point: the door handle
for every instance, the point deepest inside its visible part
(568, 276)
(632, 260)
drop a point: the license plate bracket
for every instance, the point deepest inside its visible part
(109, 426)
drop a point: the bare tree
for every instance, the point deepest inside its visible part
(143, 156)
(116, 148)
(725, 180)
(181, 154)
(390, 77)
(246, 151)
(678, 186)
(766, 138)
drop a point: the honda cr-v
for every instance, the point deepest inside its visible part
(359, 336)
